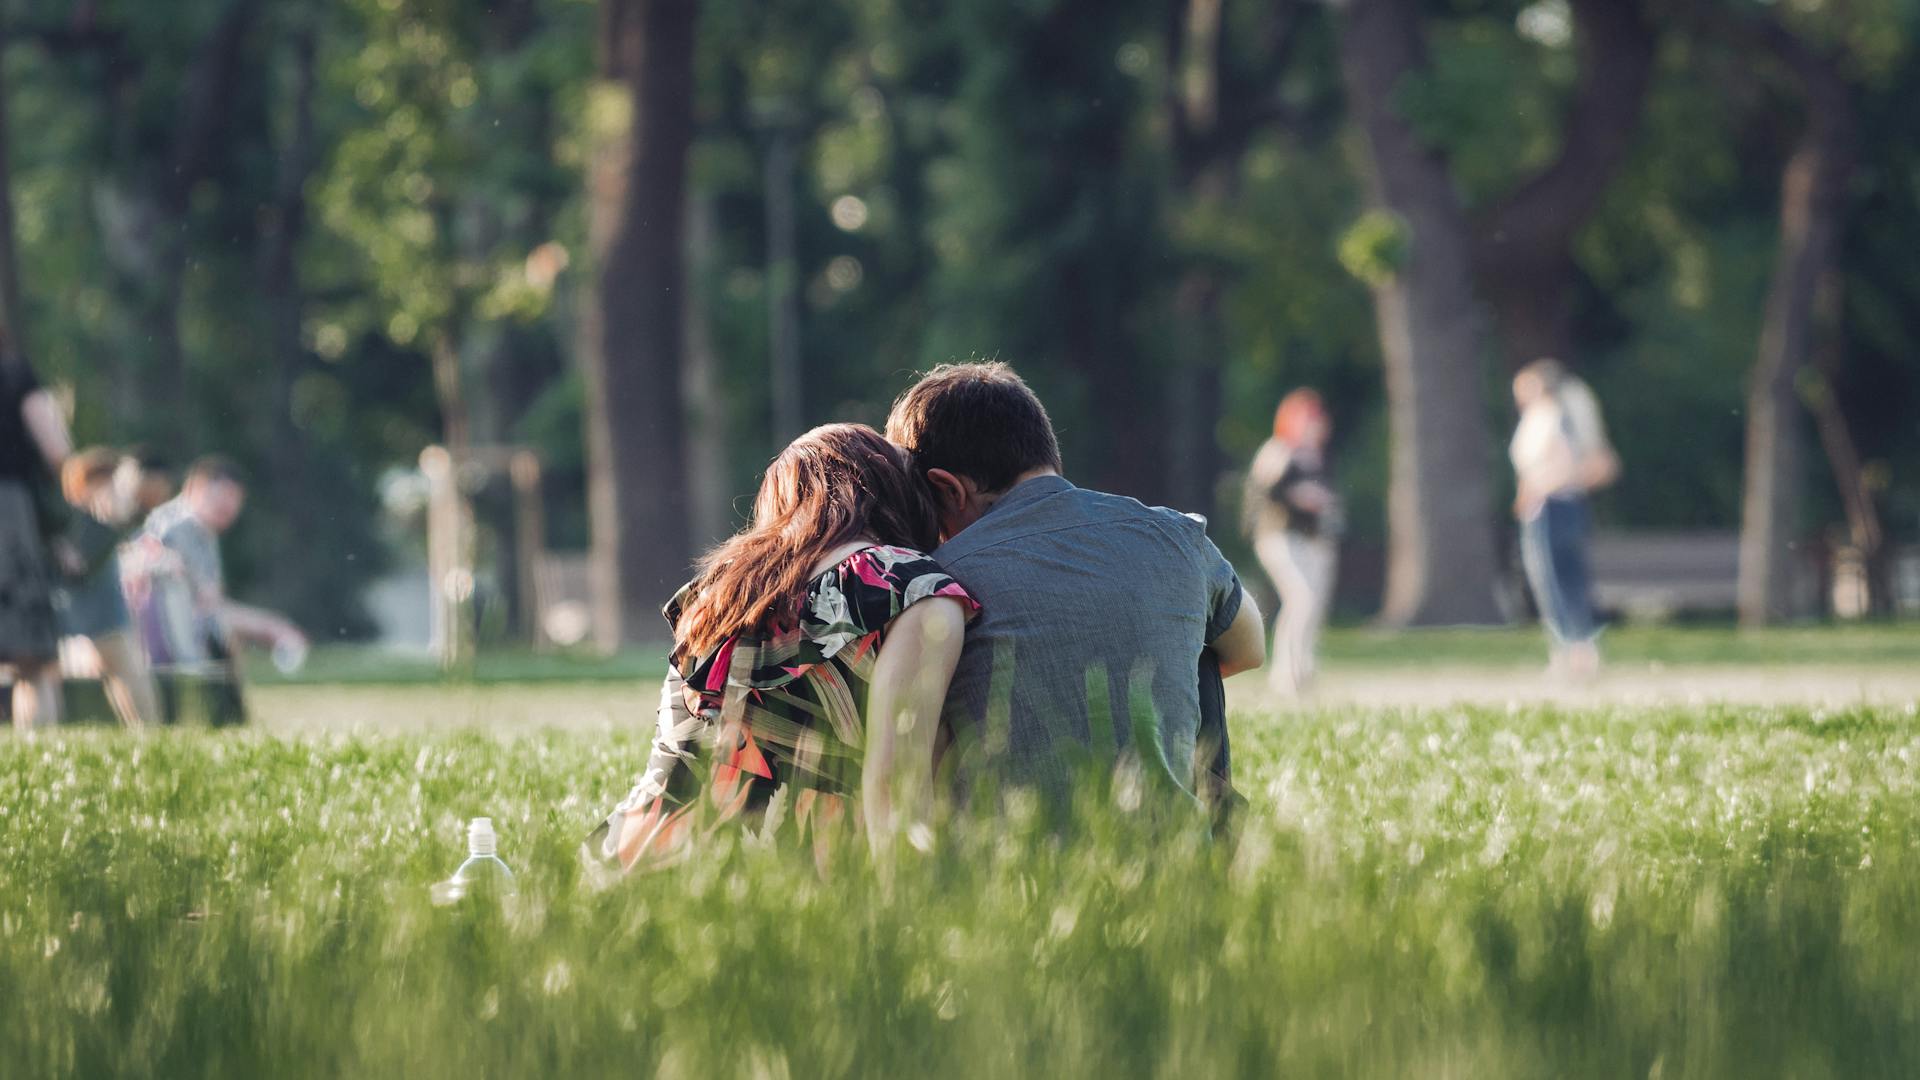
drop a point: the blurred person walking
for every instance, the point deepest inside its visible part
(1560, 456)
(34, 443)
(179, 592)
(103, 487)
(1294, 517)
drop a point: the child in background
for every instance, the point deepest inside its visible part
(177, 583)
(89, 604)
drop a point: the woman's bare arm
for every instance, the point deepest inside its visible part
(910, 678)
(48, 427)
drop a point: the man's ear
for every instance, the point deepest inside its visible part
(950, 492)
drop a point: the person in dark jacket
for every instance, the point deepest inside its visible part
(1293, 516)
(33, 444)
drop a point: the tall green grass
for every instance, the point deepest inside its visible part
(1440, 894)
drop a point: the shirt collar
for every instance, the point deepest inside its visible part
(1022, 494)
(1030, 491)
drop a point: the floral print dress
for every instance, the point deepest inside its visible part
(772, 728)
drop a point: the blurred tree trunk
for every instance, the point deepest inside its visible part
(1813, 188)
(504, 374)
(10, 313)
(1100, 284)
(642, 119)
(1204, 179)
(1212, 118)
(1523, 243)
(500, 365)
(1856, 484)
(284, 226)
(786, 378)
(1440, 559)
(144, 213)
(710, 488)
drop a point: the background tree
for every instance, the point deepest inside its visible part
(1799, 313)
(1047, 229)
(1523, 241)
(1229, 67)
(1141, 205)
(642, 126)
(1415, 252)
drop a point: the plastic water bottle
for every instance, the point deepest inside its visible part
(483, 873)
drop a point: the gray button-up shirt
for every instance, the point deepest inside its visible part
(1094, 611)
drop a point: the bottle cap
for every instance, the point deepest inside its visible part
(480, 837)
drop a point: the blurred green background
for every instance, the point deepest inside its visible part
(321, 237)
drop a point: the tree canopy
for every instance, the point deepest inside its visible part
(322, 237)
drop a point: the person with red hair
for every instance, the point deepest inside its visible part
(1293, 516)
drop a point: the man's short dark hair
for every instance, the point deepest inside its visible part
(980, 421)
(214, 468)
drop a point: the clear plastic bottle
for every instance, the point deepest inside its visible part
(483, 873)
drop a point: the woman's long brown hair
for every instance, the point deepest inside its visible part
(830, 487)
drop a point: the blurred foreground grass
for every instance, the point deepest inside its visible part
(1435, 894)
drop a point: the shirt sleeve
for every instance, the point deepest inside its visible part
(1223, 590)
(199, 556)
(881, 582)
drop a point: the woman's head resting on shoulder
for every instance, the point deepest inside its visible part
(835, 485)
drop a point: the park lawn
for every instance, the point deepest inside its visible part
(1441, 893)
(1629, 646)
(1522, 647)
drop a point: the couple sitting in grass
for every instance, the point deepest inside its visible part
(936, 603)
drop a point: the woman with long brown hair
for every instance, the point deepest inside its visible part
(811, 656)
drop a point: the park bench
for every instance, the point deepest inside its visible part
(1654, 576)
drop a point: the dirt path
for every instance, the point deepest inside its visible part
(603, 706)
(1644, 685)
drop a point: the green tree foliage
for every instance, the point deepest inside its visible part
(984, 179)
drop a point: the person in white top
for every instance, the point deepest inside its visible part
(1560, 455)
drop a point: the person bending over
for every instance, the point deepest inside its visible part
(177, 583)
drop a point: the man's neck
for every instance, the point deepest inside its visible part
(1030, 474)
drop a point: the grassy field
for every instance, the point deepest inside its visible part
(1438, 893)
(1686, 645)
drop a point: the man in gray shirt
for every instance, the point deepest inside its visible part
(1097, 611)
(177, 583)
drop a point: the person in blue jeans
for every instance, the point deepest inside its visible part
(1560, 456)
